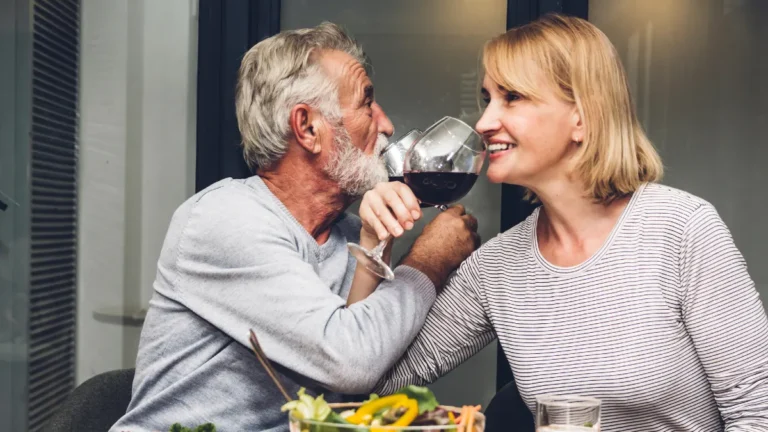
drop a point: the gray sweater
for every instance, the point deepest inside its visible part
(234, 258)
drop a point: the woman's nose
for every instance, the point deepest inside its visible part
(489, 122)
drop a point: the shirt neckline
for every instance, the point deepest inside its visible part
(589, 262)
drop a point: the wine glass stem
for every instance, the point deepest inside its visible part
(379, 249)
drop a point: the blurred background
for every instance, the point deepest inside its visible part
(113, 112)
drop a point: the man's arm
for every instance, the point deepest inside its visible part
(456, 329)
(240, 271)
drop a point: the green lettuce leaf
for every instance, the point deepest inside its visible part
(208, 427)
(424, 396)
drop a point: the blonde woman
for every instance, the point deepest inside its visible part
(616, 287)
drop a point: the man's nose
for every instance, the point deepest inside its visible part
(385, 125)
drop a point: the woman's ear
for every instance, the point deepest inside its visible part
(305, 128)
(577, 126)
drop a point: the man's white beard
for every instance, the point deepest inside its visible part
(354, 171)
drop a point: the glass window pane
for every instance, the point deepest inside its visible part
(697, 70)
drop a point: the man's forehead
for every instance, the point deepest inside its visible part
(345, 67)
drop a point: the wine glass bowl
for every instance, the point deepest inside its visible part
(443, 164)
(394, 154)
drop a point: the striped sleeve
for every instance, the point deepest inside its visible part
(725, 320)
(456, 328)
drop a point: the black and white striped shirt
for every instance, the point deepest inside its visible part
(663, 323)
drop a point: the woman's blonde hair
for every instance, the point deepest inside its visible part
(577, 60)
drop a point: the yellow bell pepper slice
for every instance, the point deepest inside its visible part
(409, 415)
(372, 407)
(407, 418)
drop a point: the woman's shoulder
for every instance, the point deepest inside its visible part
(668, 204)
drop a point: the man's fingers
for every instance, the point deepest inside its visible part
(477, 239)
(456, 209)
(470, 221)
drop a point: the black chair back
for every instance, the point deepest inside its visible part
(507, 412)
(96, 404)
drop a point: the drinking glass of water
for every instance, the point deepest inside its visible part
(567, 413)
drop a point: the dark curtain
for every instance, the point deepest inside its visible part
(227, 29)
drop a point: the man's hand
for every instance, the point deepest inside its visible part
(445, 243)
(391, 209)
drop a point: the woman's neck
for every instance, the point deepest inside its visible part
(572, 225)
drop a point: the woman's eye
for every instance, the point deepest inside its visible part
(486, 100)
(512, 96)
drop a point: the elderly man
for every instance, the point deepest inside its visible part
(269, 253)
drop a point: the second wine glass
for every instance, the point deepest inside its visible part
(394, 157)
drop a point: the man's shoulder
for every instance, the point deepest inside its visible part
(231, 209)
(234, 199)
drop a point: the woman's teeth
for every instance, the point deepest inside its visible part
(493, 148)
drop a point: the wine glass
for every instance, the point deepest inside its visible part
(567, 413)
(394, 157)
(444, 163)
(394, 154)
(440, 167)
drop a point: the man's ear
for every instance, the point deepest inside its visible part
(305, 127)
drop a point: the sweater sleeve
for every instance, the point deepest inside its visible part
(241, 270)
(725, 319)
(456, 328)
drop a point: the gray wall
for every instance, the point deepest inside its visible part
(425, 57)
(137, 150)
(15, 95)
(698, 71)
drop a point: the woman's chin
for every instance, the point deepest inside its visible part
(496, 175)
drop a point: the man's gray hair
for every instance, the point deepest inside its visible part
(278, 73)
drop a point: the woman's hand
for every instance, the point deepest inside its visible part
(389, 209)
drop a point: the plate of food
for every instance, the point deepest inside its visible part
(411, 408)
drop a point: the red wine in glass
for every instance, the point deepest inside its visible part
(440, 166)
(440, 188)
(401, 179)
